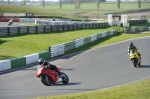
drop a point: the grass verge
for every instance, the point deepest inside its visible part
(34, 43)
(136, 90)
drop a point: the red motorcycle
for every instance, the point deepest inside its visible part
(49, 77)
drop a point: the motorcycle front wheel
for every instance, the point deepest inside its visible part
(65, 78)
(134, 62)
(46, 80)
(139, 63)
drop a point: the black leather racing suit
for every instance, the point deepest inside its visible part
(134, 48)
(52, 67)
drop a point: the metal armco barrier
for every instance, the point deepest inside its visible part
(136, 21)
(22, 61)
(136, 30)
(7, 31)
(60, 49)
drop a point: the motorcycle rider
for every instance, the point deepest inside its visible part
(10, 22)
(47, 65)
(131, 46)
(53, 19)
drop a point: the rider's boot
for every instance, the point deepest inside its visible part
(59, 74)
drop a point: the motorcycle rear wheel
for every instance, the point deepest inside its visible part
(46, 80)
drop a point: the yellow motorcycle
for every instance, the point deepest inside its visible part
(134, 57)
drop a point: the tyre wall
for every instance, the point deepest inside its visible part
(136, 30)
(61, 49)
(23, 61)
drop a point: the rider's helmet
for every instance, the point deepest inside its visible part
(131, 44)
(41, 61)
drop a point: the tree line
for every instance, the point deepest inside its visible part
(78, 3)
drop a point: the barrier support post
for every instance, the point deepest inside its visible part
(27, 29)
(50, 28)
(44, 28)
(81, 26)
(18, 30)
(36, 29)
(8, 29)
(73, 27)
(63, 27)
(68, 27)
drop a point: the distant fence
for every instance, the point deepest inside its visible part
(32, 20)
(7, 31)
(137, 21)
(136, 30)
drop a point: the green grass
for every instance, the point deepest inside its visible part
(104, 8)
(29, 44)
(34, 43)
(137, 90)
(68, 9)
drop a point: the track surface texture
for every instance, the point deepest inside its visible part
(15, 24)
(93, 69)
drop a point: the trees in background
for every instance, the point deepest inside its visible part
(60, 4)
(139, 3)
(78, 3)
(68, 1)
(75, 1)
(43, 3)
(118, 4)
(98, 4)
(8, 1)
(24, 2)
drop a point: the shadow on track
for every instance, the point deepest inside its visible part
(69, 84)
(144, 66)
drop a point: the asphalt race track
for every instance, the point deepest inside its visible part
(89, 70)
(15, 24)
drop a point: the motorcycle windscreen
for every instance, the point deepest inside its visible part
(39, 71)
(59, 68)
(132, 54)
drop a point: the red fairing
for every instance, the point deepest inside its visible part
(52, 74)
(39, 72)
